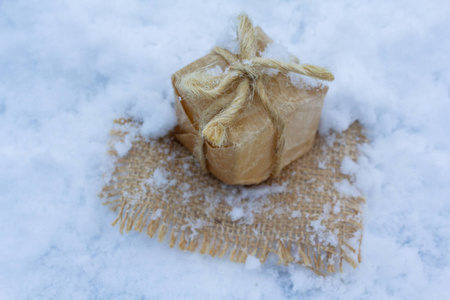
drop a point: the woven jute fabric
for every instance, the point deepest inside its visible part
(302, 216)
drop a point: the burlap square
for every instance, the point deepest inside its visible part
(304, 216)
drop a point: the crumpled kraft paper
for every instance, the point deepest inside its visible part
(249, 155)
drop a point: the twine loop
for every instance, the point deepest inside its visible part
(246, 75)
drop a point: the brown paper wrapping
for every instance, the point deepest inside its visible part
(248, 157)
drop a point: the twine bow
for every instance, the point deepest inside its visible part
(246, 75)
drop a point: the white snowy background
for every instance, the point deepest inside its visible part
(67, 69)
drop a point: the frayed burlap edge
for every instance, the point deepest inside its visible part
(299, 246)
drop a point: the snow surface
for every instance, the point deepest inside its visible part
(68, 69)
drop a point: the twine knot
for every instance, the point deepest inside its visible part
(246, 70)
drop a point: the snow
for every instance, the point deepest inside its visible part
(236, 213)
(252, 263)
(160, 179)
(345, 188)
(68, 69)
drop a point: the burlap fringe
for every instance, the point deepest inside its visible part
(137, 216)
